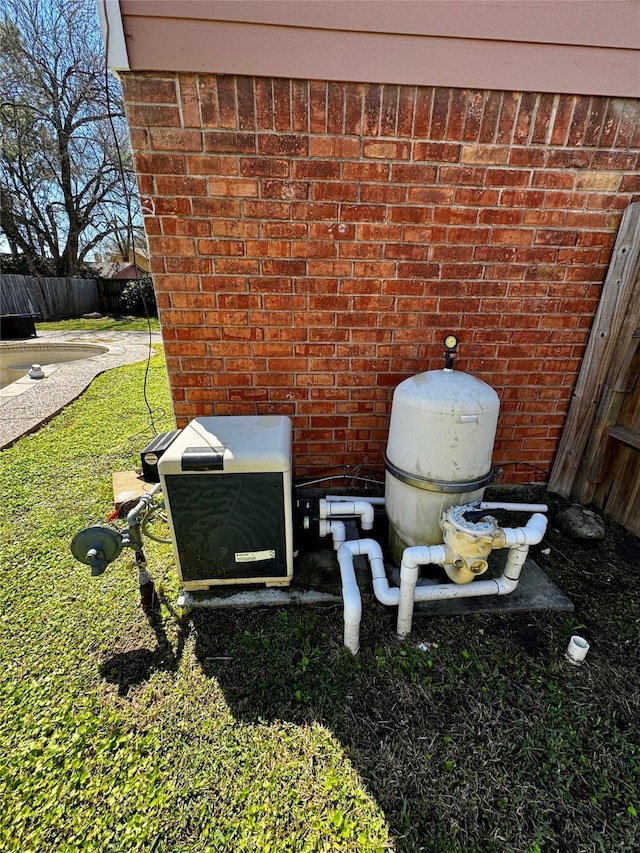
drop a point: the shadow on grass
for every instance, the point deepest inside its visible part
(135, 666)
(473, 735)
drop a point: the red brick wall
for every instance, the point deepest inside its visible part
(313, 242)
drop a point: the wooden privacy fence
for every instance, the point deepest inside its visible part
(598, 457)
(54, 298)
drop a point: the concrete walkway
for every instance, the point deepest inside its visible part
(43, 398)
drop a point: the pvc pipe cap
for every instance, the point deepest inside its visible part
(577, 650)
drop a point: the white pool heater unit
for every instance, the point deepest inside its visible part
(228, 495)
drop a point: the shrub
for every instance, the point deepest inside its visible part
(139, 298)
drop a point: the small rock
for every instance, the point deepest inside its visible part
(578, 522)
(93, 315)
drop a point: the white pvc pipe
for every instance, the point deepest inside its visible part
(517, 539)
(360, 508)
(336, 528)
(577, 650)
(531, 534)
(346, 498)
(516, 507)
(351, 593)
(506, 505)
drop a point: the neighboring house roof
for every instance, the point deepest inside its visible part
(118, 269)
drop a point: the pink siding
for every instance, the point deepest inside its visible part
(571, 47)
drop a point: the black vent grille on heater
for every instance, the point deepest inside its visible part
(228, 525)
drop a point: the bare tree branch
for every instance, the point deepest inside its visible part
(63, 176)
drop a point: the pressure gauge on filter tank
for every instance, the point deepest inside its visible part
(450, 351)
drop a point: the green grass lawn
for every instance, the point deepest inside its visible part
(256, 731)
(104, 324)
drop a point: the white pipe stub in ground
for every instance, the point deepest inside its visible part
(577, 650)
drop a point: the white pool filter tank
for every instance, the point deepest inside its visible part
(441, 436)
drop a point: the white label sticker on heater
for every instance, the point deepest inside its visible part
(254, 556)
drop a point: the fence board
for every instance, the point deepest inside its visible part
(613, 330)
(51, 298)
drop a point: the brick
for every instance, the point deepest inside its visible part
(569, 158)
(144, 115)
(283, 145)
(266, 210)
(506, 122)
(363, 212)
(606, 181)
(139, 138)
(160, 164)
(578, 121)
(475, 197)
(325, 169)
(340, 146)
(282, 104)
(168, 205)
(178, 227)
(225, 187)
(236, 266)
(229, 142)
(406, 101)
(386, 150)
(468, 235)
(171, 246)
(595, 121)
(216, 207)
(284, 189)
(456, 175)
(227, 105)
(527, 157)
(174, 185)
(490, 116)
(166, 139)
(440, 152)
(299, 106)
(630, 184)
(422, 113)
(246, 118)
(629, 116)
(384, 194)
(457, 215)
(556, 238)
(207, 164)
(264, 103)
(232, 228)
(267, 167)
(457, 111)
(507, 178)
(268, 248)
(439, 113)
(424, 233)
(335, 107)
(283, 267)
(309, 249)
(334, 191)
(149, 90)
(221, 247)
(189, 101)
(485, 154)
(522, 198)
(473, 118)
(414, 173)
(455, 272)
(526, 110)
(406, 251)
(317, 107)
